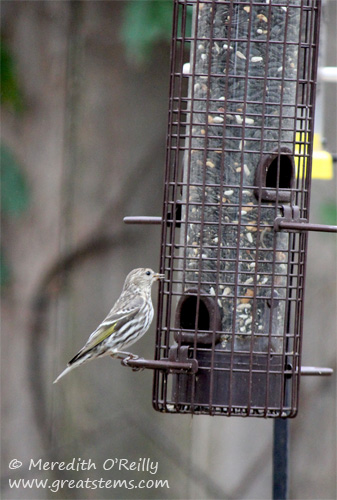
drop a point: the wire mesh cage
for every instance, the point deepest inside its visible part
(241, 110)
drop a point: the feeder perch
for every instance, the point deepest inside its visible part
(236, 208)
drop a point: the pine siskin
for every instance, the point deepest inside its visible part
(128, 320)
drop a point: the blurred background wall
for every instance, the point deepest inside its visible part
(84, 114)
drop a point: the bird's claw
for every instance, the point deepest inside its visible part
(130, 358)
(137, 368)
(125, 358)
(123, 355)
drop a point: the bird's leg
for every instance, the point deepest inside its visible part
(124, 355)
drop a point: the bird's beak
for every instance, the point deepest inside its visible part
(159, 276)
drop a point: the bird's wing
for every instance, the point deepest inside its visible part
(111, 324)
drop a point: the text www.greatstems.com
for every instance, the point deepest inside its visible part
(91, 484)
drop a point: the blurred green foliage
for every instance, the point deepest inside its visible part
(328, 213)
(5, 273)
(10, 90)
(145, 23)
(14, 198)
(14, 189)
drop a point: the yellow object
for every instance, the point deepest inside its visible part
(322, 164)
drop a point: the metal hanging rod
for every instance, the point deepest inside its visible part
(163, 364)
(192, 366)
(142, 220)
(279, 224)
(291, 220)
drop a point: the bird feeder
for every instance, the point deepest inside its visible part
(236, 207)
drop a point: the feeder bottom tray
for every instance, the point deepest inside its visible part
(247, 381)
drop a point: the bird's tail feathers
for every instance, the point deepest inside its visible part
(71, 365)
(76, 357)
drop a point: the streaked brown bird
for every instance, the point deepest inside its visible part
(128, 320)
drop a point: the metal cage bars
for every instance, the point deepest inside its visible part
(241, 106)
(194, 371)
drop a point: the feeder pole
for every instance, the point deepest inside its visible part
(280, 458)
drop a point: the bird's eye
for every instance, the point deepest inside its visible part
(148, 273)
